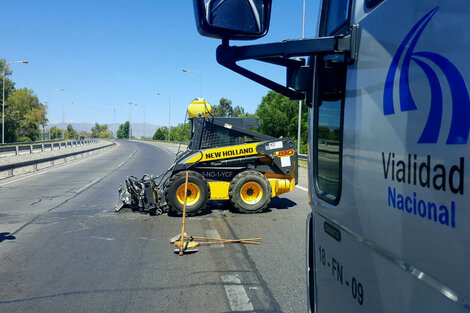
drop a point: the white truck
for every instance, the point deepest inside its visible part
(386, 82)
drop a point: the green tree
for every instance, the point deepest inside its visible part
(56, 133)
(70, 133)
(123, 131)
(100, 131)
(182, 132)
(9, 85)
(161, 133)
(23, 115)
(279, 117)
(85, 134)
(225, 109)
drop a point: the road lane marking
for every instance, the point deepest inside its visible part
(301, 188)
(88, 185)
(212, 233)
(236, 294)
(103, 238)
(99, 179)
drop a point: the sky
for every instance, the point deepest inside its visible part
(107, 53)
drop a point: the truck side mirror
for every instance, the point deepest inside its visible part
(233, 19)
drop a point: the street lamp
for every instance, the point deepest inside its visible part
(3, 94)
(63, 119)
(130, 118)
(169, 109)
(200, 80)
(300, 101)
(50, 106)
(145, 125)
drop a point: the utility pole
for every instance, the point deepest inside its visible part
(114, 124)
(169, 112)
(49, 107)
(300, 101)
(145, 125)
(130, 117)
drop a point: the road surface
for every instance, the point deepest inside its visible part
(63, 249)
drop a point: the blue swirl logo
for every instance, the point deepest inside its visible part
(460, 123)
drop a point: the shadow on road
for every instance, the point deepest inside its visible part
(222, 205)
(6, 236)
(281, 204)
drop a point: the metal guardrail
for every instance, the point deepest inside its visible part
(43, 146)
(302, 157)
(20, 143)
(10, 167)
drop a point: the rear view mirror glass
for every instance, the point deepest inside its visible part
(233, 19)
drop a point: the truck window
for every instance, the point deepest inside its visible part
(328, 144)
(335, 15)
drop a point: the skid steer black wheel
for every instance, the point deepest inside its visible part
(197, 195)
(250, 192)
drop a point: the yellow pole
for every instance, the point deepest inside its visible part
(184, 214)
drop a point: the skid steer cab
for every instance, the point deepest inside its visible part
(226, 161)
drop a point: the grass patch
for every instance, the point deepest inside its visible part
(303, 163)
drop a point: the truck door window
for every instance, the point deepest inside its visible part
(328, 143)
(335, 16)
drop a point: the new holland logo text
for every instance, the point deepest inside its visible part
(460, 123)
(228, 153)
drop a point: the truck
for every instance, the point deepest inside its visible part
(386, 83)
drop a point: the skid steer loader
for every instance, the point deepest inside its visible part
(225, 160)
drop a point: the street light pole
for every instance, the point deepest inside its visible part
(145, 125)
(3, 94)
(300, 101)
(50, 105)
(63, 119)
(130, 118)
(200, 80)
(114, 124)
(169, 111)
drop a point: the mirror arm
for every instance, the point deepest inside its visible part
(279, 53)
(289, 63)
(288, 92)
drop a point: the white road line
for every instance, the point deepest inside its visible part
(301, 188)
(103, 238)
(212, 233)
(88, 185)
(236, 294)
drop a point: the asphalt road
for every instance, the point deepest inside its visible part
(63, 249)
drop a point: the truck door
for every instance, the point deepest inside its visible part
(387, 231)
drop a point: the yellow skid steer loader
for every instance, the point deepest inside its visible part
(226, 161)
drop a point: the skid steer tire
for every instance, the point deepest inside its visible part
(250, 192)
(198, 193)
